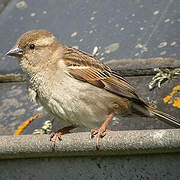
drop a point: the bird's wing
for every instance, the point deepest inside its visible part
(85, 67)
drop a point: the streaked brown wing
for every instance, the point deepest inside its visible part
(86, 68)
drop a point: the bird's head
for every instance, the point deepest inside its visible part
(35, 49)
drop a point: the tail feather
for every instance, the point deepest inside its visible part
(165, 117)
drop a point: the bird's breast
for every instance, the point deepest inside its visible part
(74, 101)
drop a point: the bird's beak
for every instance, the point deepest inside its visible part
(15, 51)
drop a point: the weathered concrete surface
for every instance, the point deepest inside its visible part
(142, 67)
(123, 155)
(145, 167)
(80, 144)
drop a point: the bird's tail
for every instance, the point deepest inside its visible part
(165, 117)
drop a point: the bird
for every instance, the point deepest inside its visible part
(76, 87)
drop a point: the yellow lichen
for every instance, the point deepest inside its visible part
(176, 102)
(25, 124)
(167, 99)
(171, 100)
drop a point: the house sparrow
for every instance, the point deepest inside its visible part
(76, 87)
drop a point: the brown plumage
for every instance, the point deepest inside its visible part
(76, 87)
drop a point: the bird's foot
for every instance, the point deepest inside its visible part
(54, 136)
(100, 134)
(57, 134)
(101, 131)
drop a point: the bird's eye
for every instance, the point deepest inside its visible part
(31, 46)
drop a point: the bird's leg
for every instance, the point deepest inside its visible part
(59, 133)
(101, 131)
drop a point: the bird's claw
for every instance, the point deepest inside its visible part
(100, 134)
(59, 133)
(54, 136)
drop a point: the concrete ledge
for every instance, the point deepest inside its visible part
(126, 67)
(79, 144)
(139, 67)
